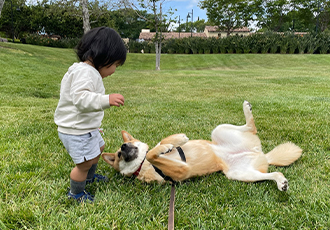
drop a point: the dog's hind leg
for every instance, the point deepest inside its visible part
(249, 126)
(240, 137)
(254, 175)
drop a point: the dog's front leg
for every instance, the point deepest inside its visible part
(160, 149)
(175, 139)
(176, 169)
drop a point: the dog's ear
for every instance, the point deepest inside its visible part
(109, 158)
(126, 136)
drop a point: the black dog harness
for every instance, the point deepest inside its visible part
(167, 178)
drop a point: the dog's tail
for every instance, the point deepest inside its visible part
(284, 154)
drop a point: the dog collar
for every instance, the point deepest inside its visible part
(139, 169)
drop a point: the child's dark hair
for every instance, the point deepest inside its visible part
(101, 46)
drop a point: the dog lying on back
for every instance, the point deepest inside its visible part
(234, 150)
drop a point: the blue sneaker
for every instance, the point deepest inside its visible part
(97, 178)
(81, 197)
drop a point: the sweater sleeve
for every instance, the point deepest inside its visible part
(88, 93)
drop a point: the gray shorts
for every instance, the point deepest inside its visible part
(82, 147)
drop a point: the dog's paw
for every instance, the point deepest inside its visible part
(247, 105)
(283, 185)
(167, 148)
(180, 140)
(175, 139)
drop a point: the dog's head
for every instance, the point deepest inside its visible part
(129, 157)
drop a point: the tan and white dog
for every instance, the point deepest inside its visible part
(235, 150)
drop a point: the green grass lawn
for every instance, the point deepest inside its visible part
(191, 94)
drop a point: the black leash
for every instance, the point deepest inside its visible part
(171, 209)
(172, 199)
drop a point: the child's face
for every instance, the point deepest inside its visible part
(108, 70)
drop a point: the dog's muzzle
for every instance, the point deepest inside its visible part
(128, 151)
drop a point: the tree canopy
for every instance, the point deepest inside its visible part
(64, 17)
(227, 14)
(269, 15)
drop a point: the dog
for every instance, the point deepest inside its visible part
(234, 150)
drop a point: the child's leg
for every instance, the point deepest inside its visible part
(86, 148)
(91, 176)
(78, 176)
(79, 173)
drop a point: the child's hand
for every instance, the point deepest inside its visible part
(116, 99)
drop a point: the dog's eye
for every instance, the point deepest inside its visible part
(119, 154)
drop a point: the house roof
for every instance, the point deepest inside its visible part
(147, 35)
(216, 29)
(168, 35)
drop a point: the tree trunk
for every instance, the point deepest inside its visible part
(158, 52)
(2, 2)
(158, 42)
(86, 24)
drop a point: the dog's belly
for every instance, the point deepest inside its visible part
(235, 139)
(236, 157)
(201, 158)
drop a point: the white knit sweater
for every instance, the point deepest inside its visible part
(82, 100)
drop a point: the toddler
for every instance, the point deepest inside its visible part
(80, 110)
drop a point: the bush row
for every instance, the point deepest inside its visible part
(34, 39)
(286, 43)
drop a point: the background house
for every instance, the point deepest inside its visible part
(213, 31)
(146, 35)
(210, 31)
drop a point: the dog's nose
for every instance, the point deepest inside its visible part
(123, 147)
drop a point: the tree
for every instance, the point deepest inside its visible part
(61, 18)
(198, 26)
(127, 22)
(13, 18)
(273, 14)
(228, 14)
(292, 15)
(2, 2)
(84, 9)
(158, 20)
(85, 15)
(301, 17)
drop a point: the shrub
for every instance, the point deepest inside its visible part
(312, 44)
(246, 44)
(293, 43)
(284, 43)
(135, 47)
(324, 43)
(223, 45)
(255, 43)
(35, 39)
(230, 44)
(182, 45)
(215, 45)
(195, 44)
(302, 42)
(267, 42)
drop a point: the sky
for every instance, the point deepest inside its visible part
(183, 7)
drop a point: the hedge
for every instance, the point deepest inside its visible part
(34, 39)
(285, 43)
